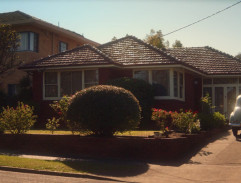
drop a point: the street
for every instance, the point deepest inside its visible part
(219, 161)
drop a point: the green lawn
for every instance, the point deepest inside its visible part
(101, 167)
(66, 132)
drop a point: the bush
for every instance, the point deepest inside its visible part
(162, 118)
(61, 107)
(17, 120)
(52, 124)
(186, 122)
(104, 110)
(143, 92)
(219, 120)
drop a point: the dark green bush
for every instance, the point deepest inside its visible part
(104, 110)
(143, 92)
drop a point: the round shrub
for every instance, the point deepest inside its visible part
(143, 92)
(104, 110)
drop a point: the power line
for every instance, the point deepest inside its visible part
(202, 19)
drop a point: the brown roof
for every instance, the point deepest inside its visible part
(18, 17)
(80, 56)
(208, 60)
(132, 51)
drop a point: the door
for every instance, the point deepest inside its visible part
(225, 98)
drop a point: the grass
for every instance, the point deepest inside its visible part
(67, 132)
(111, 168)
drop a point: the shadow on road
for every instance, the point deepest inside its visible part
(197, 150)
(115, 168)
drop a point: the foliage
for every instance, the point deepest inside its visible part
(18, 120)
(219, 120)
(61, 107)
(142, 91)
(9, 43)
(52, 124)
(186, 122)
(177, 44)
(155, 38)
(104, 110)
(238, 56)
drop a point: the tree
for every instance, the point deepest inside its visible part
(155, 38)
(238, 56)
(177, 44)
(114, 39)
(9, 43)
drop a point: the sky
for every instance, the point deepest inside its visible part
(101, 20)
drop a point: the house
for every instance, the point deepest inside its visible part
(180, 76)
(38, 39)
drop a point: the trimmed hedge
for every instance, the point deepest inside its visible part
(104, 110)
(143, 91)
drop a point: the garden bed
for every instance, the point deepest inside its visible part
(121, 147)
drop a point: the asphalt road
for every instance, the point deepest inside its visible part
(219, 161)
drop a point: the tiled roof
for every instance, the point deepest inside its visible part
(18, 17)
(132, 51)
(80, 56)
(208, 60)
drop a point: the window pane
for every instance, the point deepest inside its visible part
(76, 81)
(51, 91)
(50, 78)
(225, 80)
(23, 41)
(161, 82)
(141, 75)
(91, 78)
(207, 81)
(62, 46)
(181, 85)
(207, 91)
(31, 41)
(219, 99)
(65, 83)
(175, 79)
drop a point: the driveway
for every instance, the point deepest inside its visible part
(218, 161)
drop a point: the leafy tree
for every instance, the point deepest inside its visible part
(177, 44)
(238, 56)
(9, 43)
(155, 38)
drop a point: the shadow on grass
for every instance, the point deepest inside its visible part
(115, 168)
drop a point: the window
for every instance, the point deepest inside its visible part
(161, 82)
(91, 78)
(58, 84)
(167, 83)
(13, 89)
(62, 46)
(141, 75)
(70, 82)
(51, 84)
(28, 41)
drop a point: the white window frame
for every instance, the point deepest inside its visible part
(59, 84)
(171, 82)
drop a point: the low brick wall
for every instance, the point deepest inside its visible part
(91, 147)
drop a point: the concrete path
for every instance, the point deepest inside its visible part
(219, 161)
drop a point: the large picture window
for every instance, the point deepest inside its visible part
(28, 41)
(58, 84)
(167, 83)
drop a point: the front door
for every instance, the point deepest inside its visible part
(224, 100)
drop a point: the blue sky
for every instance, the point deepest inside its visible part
(101, 20)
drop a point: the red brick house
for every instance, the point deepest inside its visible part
(180, 76)
(38, 39)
